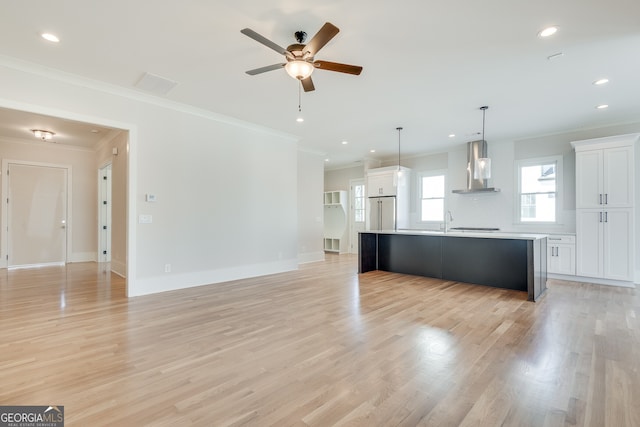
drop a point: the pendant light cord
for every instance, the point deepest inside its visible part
(399, 129)
(484, 111)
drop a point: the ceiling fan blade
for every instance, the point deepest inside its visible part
(335, 66)
(322, 37)
(264, 69)
(265, 41)
(307, 84)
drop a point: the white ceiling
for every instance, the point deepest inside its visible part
(428, 66)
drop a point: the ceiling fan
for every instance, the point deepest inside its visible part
(301, 57)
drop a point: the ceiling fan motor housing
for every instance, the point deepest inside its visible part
(300, 36)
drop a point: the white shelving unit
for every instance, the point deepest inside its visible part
(336, 235)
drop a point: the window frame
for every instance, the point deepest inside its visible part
(445, 200)
(538, 161)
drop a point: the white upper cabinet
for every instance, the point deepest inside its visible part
(388, 181)
(589, 178)
(382, 184)
(604, 177)
(618, 177)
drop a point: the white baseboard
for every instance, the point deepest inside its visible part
(594, 280)
(307, 257)
(119, 267)
(83, 257)
(170, 282)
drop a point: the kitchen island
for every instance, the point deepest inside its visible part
(504, 260)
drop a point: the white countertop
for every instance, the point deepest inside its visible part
(473, 234)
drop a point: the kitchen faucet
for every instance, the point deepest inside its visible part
(448, 219)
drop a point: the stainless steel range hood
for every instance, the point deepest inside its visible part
(476, 150)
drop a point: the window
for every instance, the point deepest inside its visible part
(358, 203)
(432, 190)
(538, 184)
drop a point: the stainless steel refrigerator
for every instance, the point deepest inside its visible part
(382, 213)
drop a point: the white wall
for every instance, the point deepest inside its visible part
(310, 205)
(338, 179)
(226, 190)
(83, 244)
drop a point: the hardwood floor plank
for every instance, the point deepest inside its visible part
(321, 346)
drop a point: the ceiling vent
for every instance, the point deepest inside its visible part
(155, 84)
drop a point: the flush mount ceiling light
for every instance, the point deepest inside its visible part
(602, 106)
(50, 37)
(547, 32)
(452, 135)
(601, 82)
(44, 135)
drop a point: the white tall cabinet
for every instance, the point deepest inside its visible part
(605, 207)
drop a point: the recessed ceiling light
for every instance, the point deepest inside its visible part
(452, 135)
(372, 150)
(326, 160)
(345, 142)
(601, 82)
(299, 120)
(555, 56)
(549, 31)
(50, 37)
(602, 106)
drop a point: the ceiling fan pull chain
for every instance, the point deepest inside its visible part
(300, 97)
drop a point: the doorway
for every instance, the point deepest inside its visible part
(38, 198)
(357, 203)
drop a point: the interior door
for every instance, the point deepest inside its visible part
(37, 215)
(104, 215)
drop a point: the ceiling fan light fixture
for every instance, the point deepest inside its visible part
(299, 69)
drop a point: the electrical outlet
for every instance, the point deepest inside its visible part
(167, 268)
(145, 219)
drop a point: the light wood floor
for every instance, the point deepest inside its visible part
(321, 346)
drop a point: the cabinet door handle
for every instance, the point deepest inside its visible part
(606, 198)
(606, 217)
(600, 196)
(600, 213)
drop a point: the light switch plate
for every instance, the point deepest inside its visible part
(150, 197)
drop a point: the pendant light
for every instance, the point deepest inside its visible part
(399, 129)
(482, 168)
